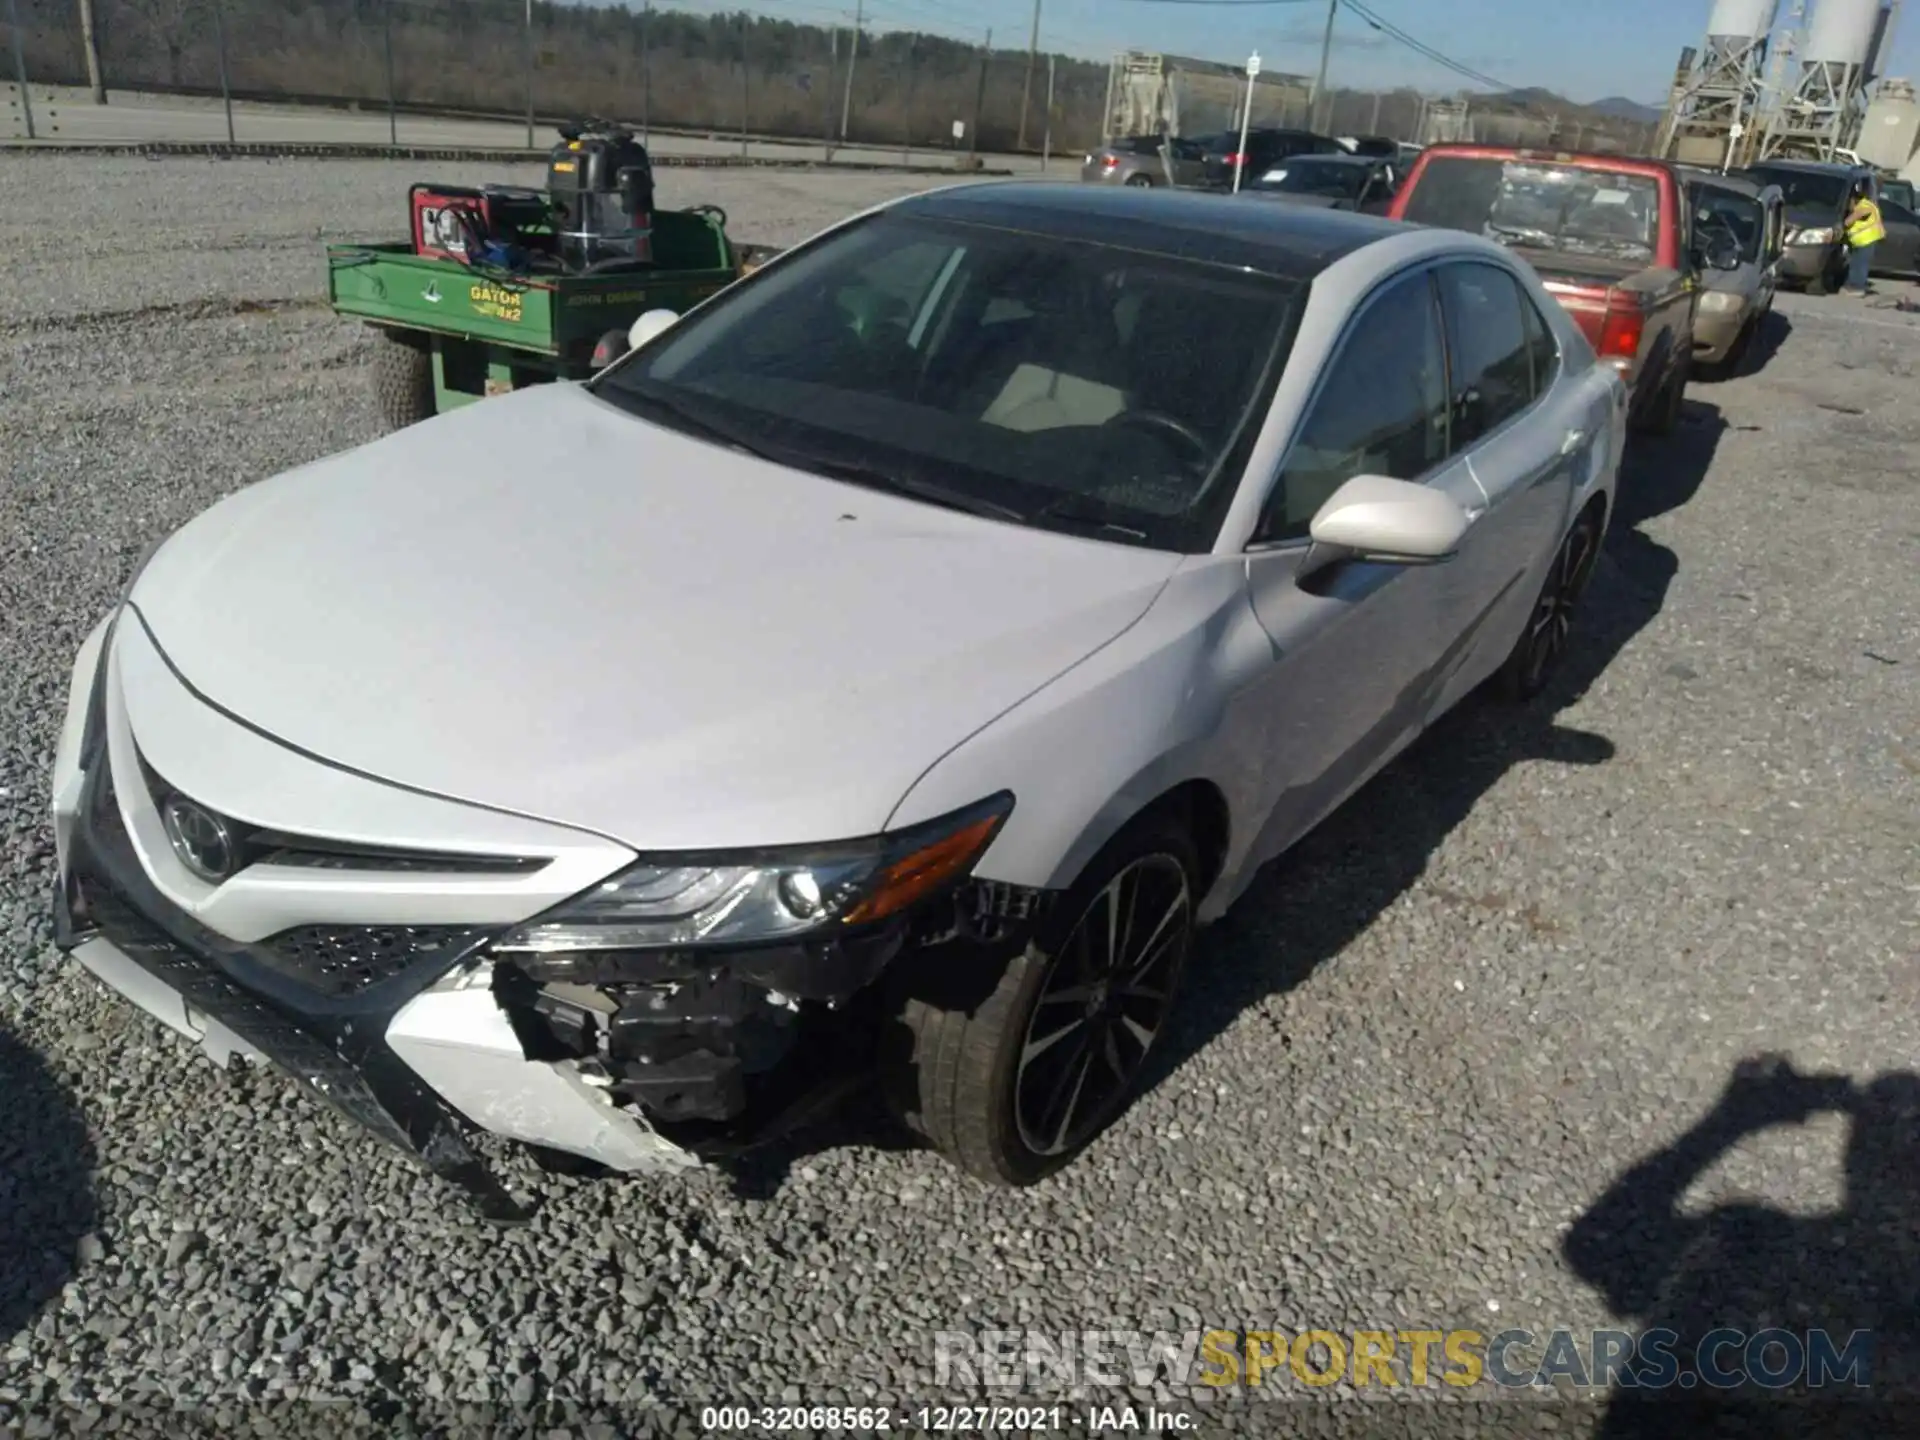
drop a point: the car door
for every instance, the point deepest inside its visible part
(1899, 253)
(1189, 163)
(1358, 646)
(1527, 440)
(1773, 246)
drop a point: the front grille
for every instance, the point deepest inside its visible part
(341, 960)
(258, 846)
(300, 1054)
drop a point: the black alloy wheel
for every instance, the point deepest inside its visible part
(1549, 633)
(1102, 1004)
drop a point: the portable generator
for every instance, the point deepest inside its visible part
(600, 180)
(487, 223)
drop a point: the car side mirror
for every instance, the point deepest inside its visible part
(1390, 522)
(647, 326)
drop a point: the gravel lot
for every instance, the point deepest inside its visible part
(1412, 1066)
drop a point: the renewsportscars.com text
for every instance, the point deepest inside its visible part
(1041, 1361)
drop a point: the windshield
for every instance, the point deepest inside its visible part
(1721, 212)
(1303, 175)
(1804, 189)
(1574, 209)
(1060, 383)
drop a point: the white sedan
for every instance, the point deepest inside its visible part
(882, 671)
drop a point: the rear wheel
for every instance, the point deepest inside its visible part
(1012, 1087)
(1549, 631)
(1140, 182)
(402, 382)
(1664, 417)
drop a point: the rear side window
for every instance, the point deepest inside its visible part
(1382, 409)
(1488, 343)
(1541, 344)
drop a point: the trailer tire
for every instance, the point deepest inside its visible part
(402, 382)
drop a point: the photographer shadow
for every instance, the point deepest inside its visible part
(1747, 1267)
(47, 1203)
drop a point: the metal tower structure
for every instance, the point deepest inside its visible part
(1717, 90)
(1823, 83)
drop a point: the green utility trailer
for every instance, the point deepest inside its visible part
(453, 333)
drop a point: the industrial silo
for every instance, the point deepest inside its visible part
(1718, 84)
(1740, 20)
(1826, 101)
(1841, 33)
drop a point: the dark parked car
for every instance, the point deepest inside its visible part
(1266, 148)
(1332, 182)
(1136, 160)
(1899, 253)
(1816, 195)
(1378, 145)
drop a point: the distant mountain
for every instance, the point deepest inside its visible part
(1621, 108)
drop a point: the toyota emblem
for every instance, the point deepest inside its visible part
(200, 838)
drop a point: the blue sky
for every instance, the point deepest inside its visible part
(1584, 49)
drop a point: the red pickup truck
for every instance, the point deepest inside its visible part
(1609, 237)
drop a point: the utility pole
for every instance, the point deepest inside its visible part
(826, 90)
(1046, 143)
(529, 74)
(1026, 85)
(745, 116)
(853, 55)
(90, 42)
(386, 37)
(646, 74)
(979, 99)
(1326, 51)
(20, 65)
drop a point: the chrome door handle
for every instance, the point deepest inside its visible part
(1575, 439)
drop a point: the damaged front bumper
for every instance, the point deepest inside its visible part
(638, 1062)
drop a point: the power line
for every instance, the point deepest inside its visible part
(1368, 17)
(1221, 2)
(1420, 47)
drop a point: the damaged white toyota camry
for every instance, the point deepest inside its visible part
(879, 673)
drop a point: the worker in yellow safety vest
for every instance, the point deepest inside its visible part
(1864, 231)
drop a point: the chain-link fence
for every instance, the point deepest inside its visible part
(500, 73)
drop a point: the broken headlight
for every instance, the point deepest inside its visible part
(747, 898)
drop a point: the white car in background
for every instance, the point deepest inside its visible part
(882, 671)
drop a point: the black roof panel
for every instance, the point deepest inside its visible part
(1294, 242)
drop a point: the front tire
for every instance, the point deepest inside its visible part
(1013, 1087)
(1544, 643)
(1831, 277)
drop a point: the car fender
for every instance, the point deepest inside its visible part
(1086, 754)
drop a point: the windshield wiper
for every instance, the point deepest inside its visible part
(691, 421)
(1074, 509)
(894, 483)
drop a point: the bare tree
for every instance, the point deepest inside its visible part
(173, 24)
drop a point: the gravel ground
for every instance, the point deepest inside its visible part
(1414, 1078)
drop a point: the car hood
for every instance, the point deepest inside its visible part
(1745, 279)
(1811, 217)
(543, 604)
